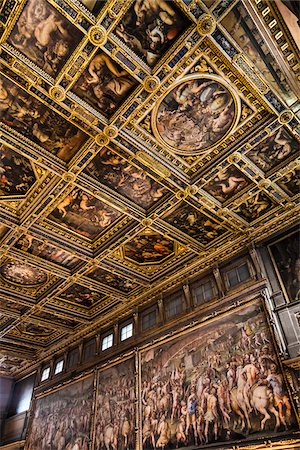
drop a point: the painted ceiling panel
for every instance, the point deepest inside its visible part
(136, 138)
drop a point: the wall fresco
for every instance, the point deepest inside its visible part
(115, 403)
(217, 383)
(62, 420)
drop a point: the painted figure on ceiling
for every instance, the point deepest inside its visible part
(195, 115)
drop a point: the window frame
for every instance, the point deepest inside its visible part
(235, 266)
(197, 284)
(168, 300)
(122, 327)
(146, 313)
(46, 368)
(107, 335)
(59, 361)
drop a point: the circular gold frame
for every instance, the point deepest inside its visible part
(218, 79)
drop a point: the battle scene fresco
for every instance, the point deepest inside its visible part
(255, 206)
(226, 183)
(286, 259)
(115, 403)
(22, 273)
(45, 36)
(37, 122)
(195, 114)
(197, 225)
(28, 243)
(16, 173)
(149, 28)
(219, 382)
(112, 280)
(84, 214)
(245, 32)
(148, 248)
(62, 420)
(115, 172)
(81, 295)
(274, 150)
(104, 84)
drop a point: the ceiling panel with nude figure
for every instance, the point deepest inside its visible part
(104, 84)
(274, 150)
(150, 28)
(84, 214)
(45, 36)
(16, 173)
(31, 118)
(226, 183)
(28, 243)
(115, 172)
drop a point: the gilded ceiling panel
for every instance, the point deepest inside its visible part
(136, 138)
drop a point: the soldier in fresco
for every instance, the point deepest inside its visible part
(232, 387)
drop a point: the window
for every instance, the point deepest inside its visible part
(238, 275)
(107, 341)
(203, 292)
(126, 331)
(173, 307)
(21, 397)
(73, 357)
(89, 349)
(45, 374)
(59, 367)
(148, 320)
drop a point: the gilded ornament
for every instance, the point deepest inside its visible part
(97, 35)
(101, 139)
(151, 83)
(111, 132)
(69, 177)
(147, 222)
(57, 93)
(206, 24)
(285, 117)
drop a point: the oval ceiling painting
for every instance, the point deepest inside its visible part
(196, 114)
(22, 273)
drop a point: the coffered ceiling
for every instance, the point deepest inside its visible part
(141, 142)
